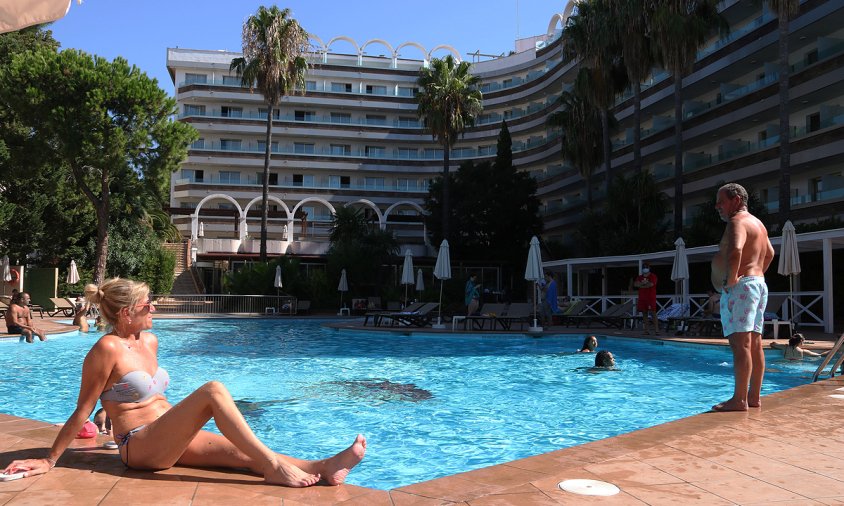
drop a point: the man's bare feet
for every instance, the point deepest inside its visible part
(730, 405)
(336, 468)
(290, 476)
(754, 402)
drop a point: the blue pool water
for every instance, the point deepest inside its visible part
(430, 405)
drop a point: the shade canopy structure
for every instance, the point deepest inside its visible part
(680, 269)
(342, 286)
(533, 272)
(407, 277)
(72, 273)
(5, 269)
(442, 271)
(789, 262)
(22, 13)
(420, 281)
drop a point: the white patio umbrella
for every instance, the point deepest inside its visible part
(277, 282)
(72, 274)
(789, 263)
(533, 272)
(6, 268)
(407, 272)
(201, 232)
(442, 270)
(420, 283)
(680, 269)
(343, 286)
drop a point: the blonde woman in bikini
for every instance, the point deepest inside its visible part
(122, 371)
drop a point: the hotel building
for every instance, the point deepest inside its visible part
(353, 138)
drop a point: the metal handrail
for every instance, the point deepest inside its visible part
(827, 359)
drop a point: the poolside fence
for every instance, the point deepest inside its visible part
(226, 304)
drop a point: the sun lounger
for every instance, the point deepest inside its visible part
(613, 316)
(574, 308)
(488, 313)
(419, 318)
(517, 312)
(378, 315)
(63, 306)
(303, 306)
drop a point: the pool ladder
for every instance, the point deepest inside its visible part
(835, 349)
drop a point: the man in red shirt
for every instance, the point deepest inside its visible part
(646, 283)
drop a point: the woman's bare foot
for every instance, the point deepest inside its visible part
(336, 468)
(754, 403)
(730, 405)
(290, 476)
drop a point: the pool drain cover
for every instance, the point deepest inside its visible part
(588, 487)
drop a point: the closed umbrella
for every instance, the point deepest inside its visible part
(201, 232)
(442, 270)
(407, 272)
(277, 282)
(533, 272)
(6, 268)
(343, 286)
(420, 283)
(789, 264)
(680, 269)
(72, 273)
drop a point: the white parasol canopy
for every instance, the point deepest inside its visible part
(420, 281)
(277, 282)
(22, 13)
(789, 263)
(407, 272)
(442, 270)
(6, 269)
(343, 286)
(533, 272)
(680, 269)
(201, 232)
(72, 273)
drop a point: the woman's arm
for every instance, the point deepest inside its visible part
(96, 370)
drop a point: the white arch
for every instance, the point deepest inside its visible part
(322, 46)
(347, 39)
(414, 44)
(269, 197)
(374, 41)
(381, 221)
(447, 48)
(552, 25)
(404, 203)
(194, 220)
(313, 199)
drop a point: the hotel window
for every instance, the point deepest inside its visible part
(408, 121)
(372, 89)
(305, 180)
(232, 80)
(194, 110)
(811, 57)
(406, 184)
(341, 117)
(310, 85)
(231, 112)
(226, 205)
(341, 149)
(406, 91)
(304, 116)
(193, 175)
(376, 119)
(196, 79)
(262, 146)
(230, 144)
(486, 150)
(229, 177)
(507, 83)
(374, 183)
(339, 181)
(262, 113)
(341, 87)
(813, 122)
(462, 152)
(817, 188)
(408, 153)
(374, 151)
(432, 153)
(273, 178)
(198, 144)
(303, 148)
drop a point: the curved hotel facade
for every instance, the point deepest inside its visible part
(353, 138)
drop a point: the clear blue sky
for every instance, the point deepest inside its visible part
(142, 30)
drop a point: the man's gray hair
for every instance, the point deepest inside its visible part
(733, 189)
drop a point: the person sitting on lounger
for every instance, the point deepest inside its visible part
(589, 345)
(794, 349)
(712, 306)
(122, 370)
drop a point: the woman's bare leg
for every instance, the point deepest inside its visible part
(163, 442)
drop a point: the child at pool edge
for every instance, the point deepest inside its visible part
(163, 435)
(794, 350)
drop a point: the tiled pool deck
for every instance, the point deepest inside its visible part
(790, 451)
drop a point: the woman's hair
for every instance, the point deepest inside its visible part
(603, 359)
(115, 294)
(796, 339)
(590, 343)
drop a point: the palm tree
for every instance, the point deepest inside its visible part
(784, 9)
(448, 103)
(679, 28)
(581, 123)
(589, 37)
(273, 61)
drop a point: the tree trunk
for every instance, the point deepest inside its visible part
(637, 149)
(445, 208)
(607, 148)
(785, 129)
(589, 192)
(678, 155)
(102, 208)
(265, 188)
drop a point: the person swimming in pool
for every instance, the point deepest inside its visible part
(794, 349)
(604, 359)
(590, 343)
(122, 370)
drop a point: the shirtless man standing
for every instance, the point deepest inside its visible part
(738, 272)
(19, 320)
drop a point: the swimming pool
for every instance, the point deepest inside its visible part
(430, 404)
